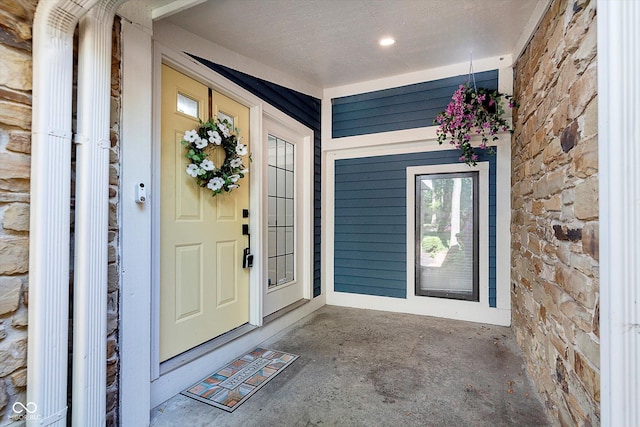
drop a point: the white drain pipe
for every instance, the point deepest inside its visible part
(92, 216)
(53, 27)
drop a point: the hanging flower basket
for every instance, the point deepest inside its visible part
(473, 111)
(200, 143)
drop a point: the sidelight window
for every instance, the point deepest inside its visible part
(281, 215)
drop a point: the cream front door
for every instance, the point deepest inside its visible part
(204, 290)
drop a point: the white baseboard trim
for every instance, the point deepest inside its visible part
(425, 306)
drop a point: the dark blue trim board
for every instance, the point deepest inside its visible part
(370, 248)
(398, 108)
(302, 108)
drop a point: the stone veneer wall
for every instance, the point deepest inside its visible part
(113, 298)
(554, 224)
(16, 21)
(16, 17)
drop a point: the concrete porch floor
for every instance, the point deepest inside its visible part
(371, 368)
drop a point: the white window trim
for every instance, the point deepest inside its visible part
(442, 307)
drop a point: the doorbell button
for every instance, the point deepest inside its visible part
(141, 193)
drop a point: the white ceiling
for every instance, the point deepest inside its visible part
(330, 43)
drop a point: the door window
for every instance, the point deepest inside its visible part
(447, 235)
(281, 215)
(188, 105)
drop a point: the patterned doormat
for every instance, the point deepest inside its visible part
(231, 385)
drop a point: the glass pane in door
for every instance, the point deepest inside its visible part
(281, 212)
(447, 235)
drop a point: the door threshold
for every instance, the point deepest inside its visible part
(273, 316)
(204, 348)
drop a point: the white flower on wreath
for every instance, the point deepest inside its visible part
(234, 178)
(191, 135)
(207, 165)
(222, 127)
(241, 150)
(214, 137)
(236, 162)
(215, 183)
(230, 186)
(243, 171)
(201, 143)
(193, 170)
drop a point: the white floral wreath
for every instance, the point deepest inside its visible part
(198, 142)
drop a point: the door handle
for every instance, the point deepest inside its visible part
(247, 259)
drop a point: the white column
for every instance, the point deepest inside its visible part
(92, 216)
(53, 28)
(135, 229)
(619, 151)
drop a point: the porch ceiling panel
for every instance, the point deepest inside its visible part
(335, 42)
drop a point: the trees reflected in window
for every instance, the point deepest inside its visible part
(447, 235)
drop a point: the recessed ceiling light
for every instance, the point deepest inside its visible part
(387, 41)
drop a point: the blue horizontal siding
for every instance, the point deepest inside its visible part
(383, 278)
(370, 249)
(348, 241)
(405, 107)
(380, 265)
(369, 256)
(373, 290)
(343, 244)
(367, 229)
(350, 194)
(371, 221)
(390, 202)
(377, 212)
(375, 175)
